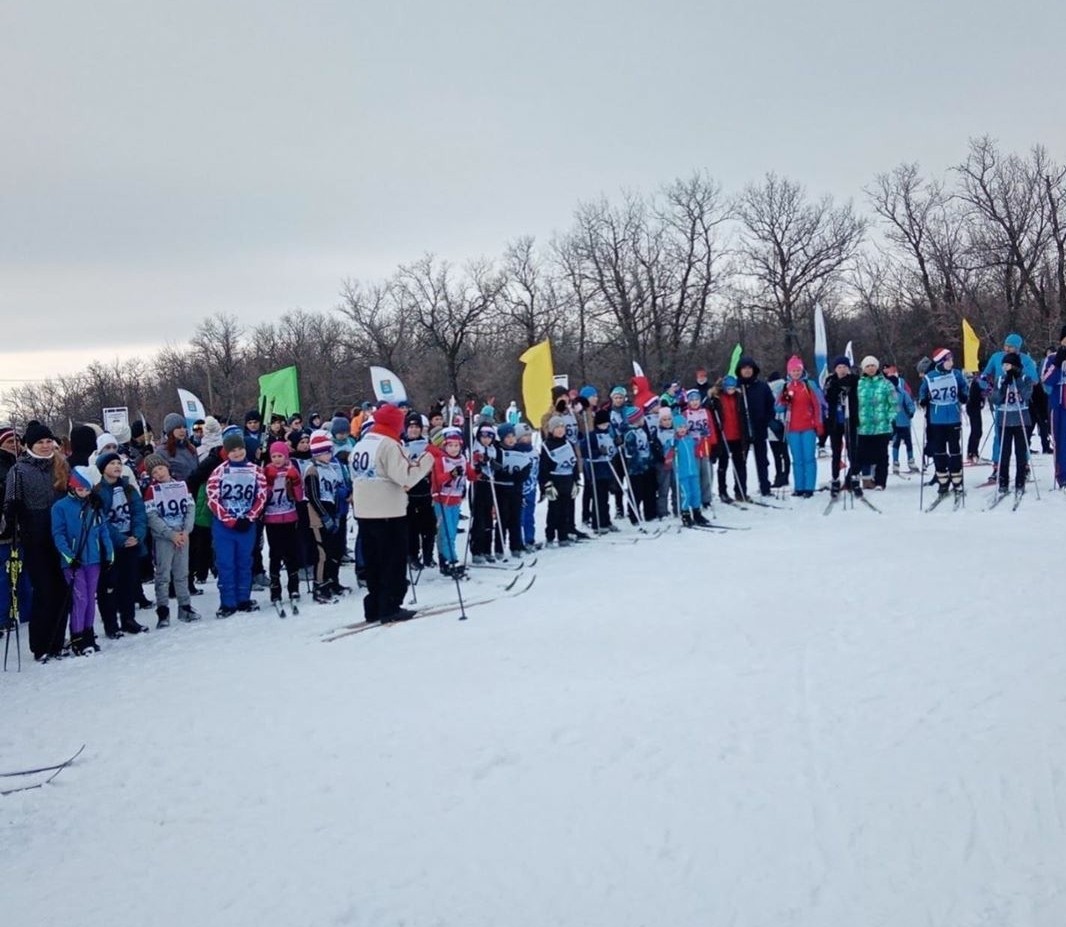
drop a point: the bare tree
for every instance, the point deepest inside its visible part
(217, 339)
(1011, 216)
(793, 249)
(449, 313)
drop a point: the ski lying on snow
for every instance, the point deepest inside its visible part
(505, 566)
(431, 610)
(42, 769)
(53, 770)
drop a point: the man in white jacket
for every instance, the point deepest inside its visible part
(381, 476)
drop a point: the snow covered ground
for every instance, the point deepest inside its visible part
(852, 720)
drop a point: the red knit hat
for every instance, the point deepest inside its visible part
(388, 420)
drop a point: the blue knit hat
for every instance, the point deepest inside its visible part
(1014, 341)
(729, 382)
(618, 391)
(587, 392)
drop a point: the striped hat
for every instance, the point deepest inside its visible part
(80, 478)
(321, 442)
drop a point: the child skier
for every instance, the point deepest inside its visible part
(324, 486)
(449, 478)
(558, 463)
(485, 457)
(686, 468)
(662, 454)
(285, 493)
(171, 517)
(124, 512)
(637, 463)
(84, 545)
(524, 441)
(727, 415)
(515, 464)
(421, 520)
(942, 394)
(236, 496)
(599, 450)
(1011, 398)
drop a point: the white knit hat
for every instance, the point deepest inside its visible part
(870, 361)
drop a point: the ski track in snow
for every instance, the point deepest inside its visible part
(844, 720)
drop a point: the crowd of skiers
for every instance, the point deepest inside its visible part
(91, 519)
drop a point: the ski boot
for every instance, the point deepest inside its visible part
(162, 617)
(321, 594)
(698, 519)
(912, 467)
(225, 611)
(686, 519)
(187, 614)
(132, 627)
(91, 646)
(77, 645)
(834, 489)
(249, 605)
(895, 468)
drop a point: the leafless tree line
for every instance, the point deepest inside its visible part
(671, 279)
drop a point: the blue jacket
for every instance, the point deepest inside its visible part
(138, 515)
(942, 395)
(685, 461)
(79, 530)
(906, 407)
(1011, 399)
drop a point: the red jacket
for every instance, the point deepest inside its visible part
(730, 406)
(804, 405)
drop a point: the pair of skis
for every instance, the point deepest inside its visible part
(52, 771)
(514, 588)
(958, 497)
(833, 500)
(1019, 494)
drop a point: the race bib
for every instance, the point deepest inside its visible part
(279, 502)
(119, 516)
(172, 501)
(364, 458)
(943, 390)
(236, 491)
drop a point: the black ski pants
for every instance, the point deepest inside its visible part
(284, 544)
(48, 610)
(945, 447)
(873, 453)
(384, 542)
(1015, 438)
(421, 527)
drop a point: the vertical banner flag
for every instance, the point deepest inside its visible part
(191, 408)
(821, 355)
(537, 381)
(971, 345)
(849, 353)
(279, 393)
(734, 360)
(387, 386)
(638, 371)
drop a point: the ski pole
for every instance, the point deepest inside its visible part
(589, 435)
(628, 492)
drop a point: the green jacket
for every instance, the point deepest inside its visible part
(877, 405)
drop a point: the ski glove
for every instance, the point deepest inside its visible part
(74, 563)
(457, 472)
(576, 491)
(550, 492)
(329, 524)
(242, 525)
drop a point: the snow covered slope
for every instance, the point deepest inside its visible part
(845, 720)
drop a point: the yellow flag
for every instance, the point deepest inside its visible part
(970, 345)
(537, 381)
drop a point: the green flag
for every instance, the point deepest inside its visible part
(279, 392)
(737, 351)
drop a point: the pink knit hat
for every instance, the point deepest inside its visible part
(794, 363)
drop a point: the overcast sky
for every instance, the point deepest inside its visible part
(162, 162)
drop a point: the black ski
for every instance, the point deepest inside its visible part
(432, 610)
(999, 497)
(42, 769)
(939, 498)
